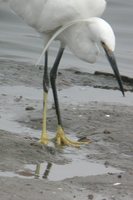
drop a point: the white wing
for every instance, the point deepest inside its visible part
(48, 15)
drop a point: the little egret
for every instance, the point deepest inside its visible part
(76, 25)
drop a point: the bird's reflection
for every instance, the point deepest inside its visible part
(46, 171)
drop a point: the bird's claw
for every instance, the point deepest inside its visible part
(61, 139)
(44, 139)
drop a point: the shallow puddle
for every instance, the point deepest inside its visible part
(76, 168)
(24, 91)
(75, 94)
(56, 172)
(8, 124)
(8, 121)
(82, 95)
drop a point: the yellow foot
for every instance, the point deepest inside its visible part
(61, 139)
(44, 139)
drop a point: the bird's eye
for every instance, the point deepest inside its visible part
(103, 43)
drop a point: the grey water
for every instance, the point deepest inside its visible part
(58, 172)
(20, 42)
(78, 166)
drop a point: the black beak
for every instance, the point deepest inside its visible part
(112, 61)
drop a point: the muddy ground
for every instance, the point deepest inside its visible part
(108, 126)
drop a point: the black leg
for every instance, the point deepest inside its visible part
(45, 75)
(53, 75)
(60, 138)
(47, 171)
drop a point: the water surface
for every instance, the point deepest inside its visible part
(20, 42)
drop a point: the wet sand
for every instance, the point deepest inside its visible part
(92, 107)
(99, 170)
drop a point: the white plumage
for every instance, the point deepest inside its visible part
(46, 16)
(75, 24)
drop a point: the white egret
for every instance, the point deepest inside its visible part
(66, 21)
(84, 38)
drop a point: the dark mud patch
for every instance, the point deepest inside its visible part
(21, 73)
(97, 79)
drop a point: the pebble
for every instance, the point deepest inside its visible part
(119, 176)
(90, 196)
(106, 131)
(29, 108)
(106, 163)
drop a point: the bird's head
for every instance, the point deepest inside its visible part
(103, 35)
(101, 32)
